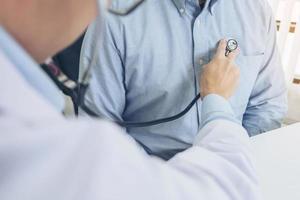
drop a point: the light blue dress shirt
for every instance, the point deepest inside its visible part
(31, 71)
(146, 66)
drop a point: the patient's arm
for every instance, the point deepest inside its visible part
(106, 95)
(268, 102)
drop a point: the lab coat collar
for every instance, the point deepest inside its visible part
(30, 70)
(19, 97)
(180, 5)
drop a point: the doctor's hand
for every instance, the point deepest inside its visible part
(221, 75)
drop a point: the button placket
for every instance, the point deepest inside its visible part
(201, 50)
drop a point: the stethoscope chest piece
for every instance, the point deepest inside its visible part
(231, 46)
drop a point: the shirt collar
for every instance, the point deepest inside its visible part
(30, 70)
(180, 5)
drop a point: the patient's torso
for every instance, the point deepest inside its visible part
(164, 48)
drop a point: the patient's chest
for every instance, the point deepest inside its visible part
(164, 59)
(163, 53)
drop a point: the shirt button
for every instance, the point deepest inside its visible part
(181, 10)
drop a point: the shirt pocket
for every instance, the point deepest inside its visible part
(250, 65)
(250, 61)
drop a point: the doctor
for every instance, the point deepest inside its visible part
(45, 156)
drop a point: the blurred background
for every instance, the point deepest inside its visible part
(287, 15)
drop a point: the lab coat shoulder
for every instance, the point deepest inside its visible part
(66, 158)
(60, 159)
(99, 160)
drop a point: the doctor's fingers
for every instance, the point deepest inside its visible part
(221, 50)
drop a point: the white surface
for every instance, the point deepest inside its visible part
(277, 155)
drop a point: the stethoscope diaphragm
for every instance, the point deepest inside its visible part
(231, 46)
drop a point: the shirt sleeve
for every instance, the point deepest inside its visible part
(106, 93)
(268, 102)
(216, 107)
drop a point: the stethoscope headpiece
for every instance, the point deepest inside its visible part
(231, 46)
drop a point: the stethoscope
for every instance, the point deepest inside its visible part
(77, 92)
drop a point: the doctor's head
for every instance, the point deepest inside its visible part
(44, 27)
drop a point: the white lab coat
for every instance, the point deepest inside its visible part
(44, 156)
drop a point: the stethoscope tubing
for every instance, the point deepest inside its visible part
(128, 124)
(77, 94)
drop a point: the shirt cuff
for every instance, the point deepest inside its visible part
(216, 107)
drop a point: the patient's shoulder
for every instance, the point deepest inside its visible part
(258, 11)
(256, 6)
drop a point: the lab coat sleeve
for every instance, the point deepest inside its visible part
(223, 144)
(216, 107)
(106, 93)
(268, 102)
(95, 160)
(225, 169)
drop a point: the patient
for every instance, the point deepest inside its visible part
(146, 66)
